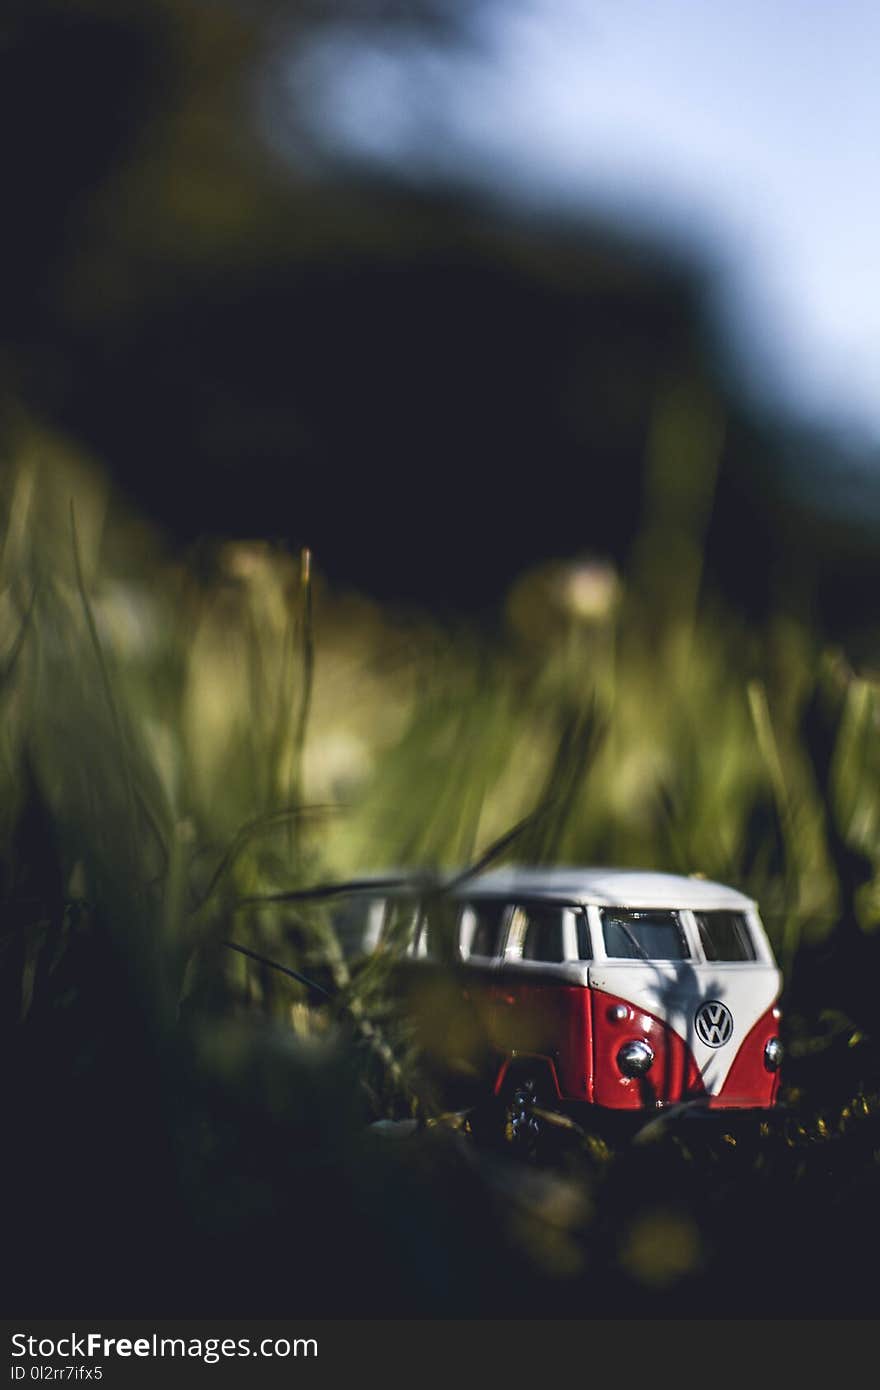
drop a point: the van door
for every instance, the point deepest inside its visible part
(540, 993)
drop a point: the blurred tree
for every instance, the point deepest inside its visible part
(431, 394)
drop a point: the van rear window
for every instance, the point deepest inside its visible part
(725, 936)
(633, 935)
(357, 922)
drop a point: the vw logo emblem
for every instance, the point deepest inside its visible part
(714, 1023)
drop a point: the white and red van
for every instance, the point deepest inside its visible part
(624, 989)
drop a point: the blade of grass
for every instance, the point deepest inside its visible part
(17, 645)
(247, 833)
(297, 771)
(104, 673)
(767, 743)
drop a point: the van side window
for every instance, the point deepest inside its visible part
(354, 920)
(401, 922)
(535, 933)
(725, 936)
(481, 928)
(436, 932)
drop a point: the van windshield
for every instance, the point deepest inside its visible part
(634, 935)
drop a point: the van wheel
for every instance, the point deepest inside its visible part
(524, 1126)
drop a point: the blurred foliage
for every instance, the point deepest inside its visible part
(244, 334)
(191, 743)
(194, 736)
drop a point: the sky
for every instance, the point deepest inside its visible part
(745, 130)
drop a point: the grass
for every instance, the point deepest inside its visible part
(185, 753)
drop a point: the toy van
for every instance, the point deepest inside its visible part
(623, 989)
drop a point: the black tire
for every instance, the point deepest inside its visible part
(525, 1095)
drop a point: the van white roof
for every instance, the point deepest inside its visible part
(606, 887)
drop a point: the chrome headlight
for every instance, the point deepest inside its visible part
(635, 1058)
(773, 1054)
